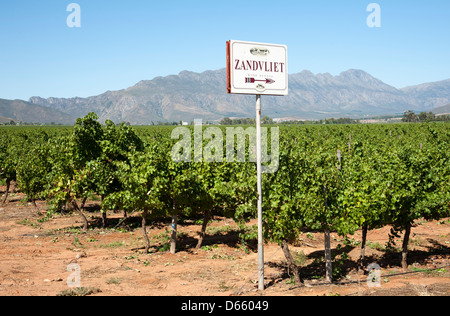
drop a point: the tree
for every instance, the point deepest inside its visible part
(225, 189)
(409, 117)
(419, 177)
(140, 187)
(226, 121)
(426, 117)
(364, 170)
(282, 200)
(180, 185)
(321, 207)
(117, 141)
(8, 160)
(153, 183)
(33, 167)
(266, 120)
(73, 165)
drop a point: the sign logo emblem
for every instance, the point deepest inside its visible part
(259, 51)
(260, 88)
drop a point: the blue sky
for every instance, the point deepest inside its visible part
(122, 42)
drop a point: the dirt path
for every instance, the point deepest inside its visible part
(34, 257)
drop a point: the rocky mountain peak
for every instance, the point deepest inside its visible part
(190, 95)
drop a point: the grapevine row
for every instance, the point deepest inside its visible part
(331, 178)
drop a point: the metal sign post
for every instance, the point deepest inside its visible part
(259, 180)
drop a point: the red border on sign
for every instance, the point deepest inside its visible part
(228, 67)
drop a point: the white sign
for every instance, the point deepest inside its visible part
(257, 68)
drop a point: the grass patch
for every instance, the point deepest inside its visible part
(27, 222)
(430, 272)
(115, 244)
(375, 246)
(115, 281)
(80, 291)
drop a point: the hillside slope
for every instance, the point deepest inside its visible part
(189, 96)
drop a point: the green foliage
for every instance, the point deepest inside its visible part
(386, 175)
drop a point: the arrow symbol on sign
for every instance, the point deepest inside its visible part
(253, 80)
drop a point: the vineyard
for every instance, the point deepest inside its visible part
(336, 184)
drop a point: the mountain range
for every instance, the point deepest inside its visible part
(189, 95)
(22, 111)
(442, 110)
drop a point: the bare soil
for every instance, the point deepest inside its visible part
(35, 254)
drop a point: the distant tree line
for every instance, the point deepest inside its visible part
(11, 123)
(159, 123)
(408, 117)
(268, 120)
(412, 117)
(245, 121)
(14, 123)
(342, 120)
